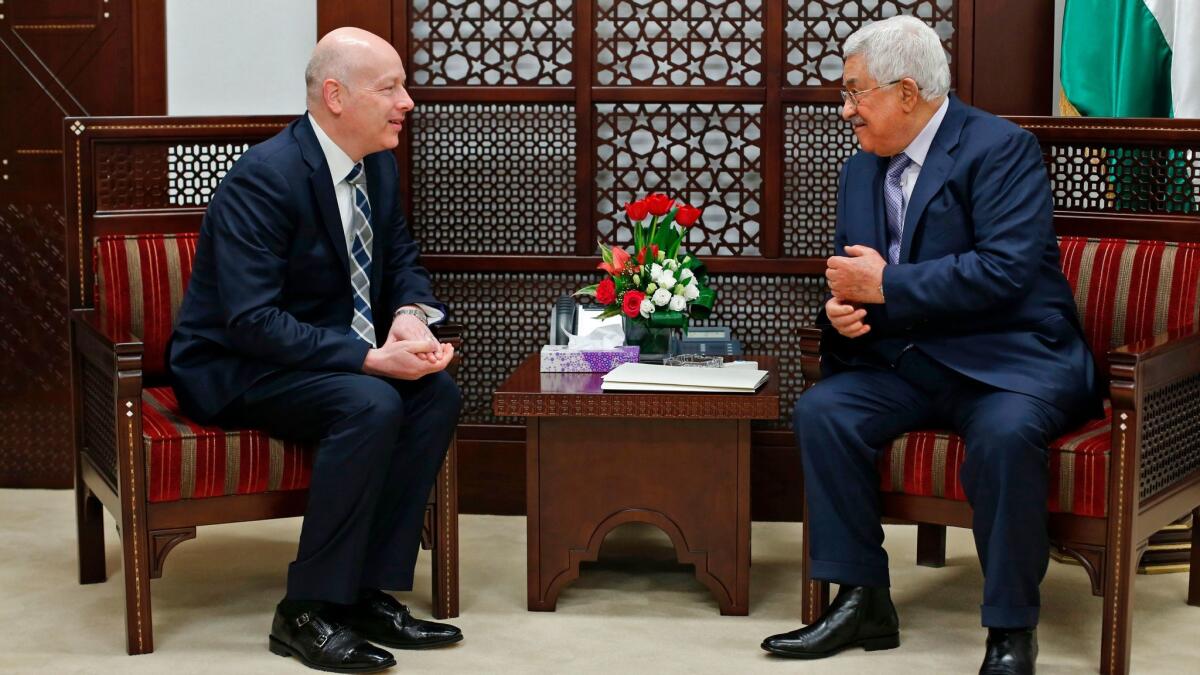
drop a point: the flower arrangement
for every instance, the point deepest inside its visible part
(658, 286)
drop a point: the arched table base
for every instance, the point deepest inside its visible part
(690, 478)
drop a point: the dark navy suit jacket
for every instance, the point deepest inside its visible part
(979, 287)
(270, 286)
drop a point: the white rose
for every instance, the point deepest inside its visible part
(671, 263)
(691, 292)
(662, 296)
(655, 270)
(678, 303)
(666, 280)
(685, 275)
(646, 308)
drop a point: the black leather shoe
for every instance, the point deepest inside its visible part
(859, 616)
(381, 618)
(324, 644)
(1010, 651)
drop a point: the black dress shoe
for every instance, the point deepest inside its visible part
(380, 618)
(860, 616)
(1010, 651)
(324, 644)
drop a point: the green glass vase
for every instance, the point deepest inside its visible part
(655, 342)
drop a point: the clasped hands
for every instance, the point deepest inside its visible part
(855, 279)
(409, 352)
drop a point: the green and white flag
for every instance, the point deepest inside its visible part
(1131, 58)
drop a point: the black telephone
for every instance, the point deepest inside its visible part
(563, 319)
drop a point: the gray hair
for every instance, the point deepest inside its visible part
(900, 47)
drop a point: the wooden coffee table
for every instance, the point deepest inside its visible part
(598, 460)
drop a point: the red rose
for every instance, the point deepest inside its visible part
(653, 254)
(606, 292)
(687, 215)
(632, 303)
(636, 211)
(658, 203)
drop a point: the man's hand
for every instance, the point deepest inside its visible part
(846, 318)
(409, 327)
(408, 359)
(856, 277)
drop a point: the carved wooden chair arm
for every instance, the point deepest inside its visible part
(1155, 388)
(98, 343)
(810, 354)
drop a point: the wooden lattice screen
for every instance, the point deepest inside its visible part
(537, 119)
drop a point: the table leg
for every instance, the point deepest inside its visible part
(690, 478)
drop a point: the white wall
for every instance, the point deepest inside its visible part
(238, 57)
(1058, 16)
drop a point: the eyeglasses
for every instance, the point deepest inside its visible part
(854, 97)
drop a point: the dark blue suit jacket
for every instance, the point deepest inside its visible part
(270, 286)
(979, 287)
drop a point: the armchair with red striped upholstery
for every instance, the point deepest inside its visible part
(1115, 481)
(132, 236)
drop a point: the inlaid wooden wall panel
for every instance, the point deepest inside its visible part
(57, 58)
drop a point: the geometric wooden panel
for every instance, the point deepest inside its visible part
(507, 317)
(489, 42)
(706, 154)
(679, 42)
(130, 174)
(1124, 179)
(56, 59)
(494, 178)
(35, 423)
(194, 170)
(816, 143)
(1170, 436)
(816, 30)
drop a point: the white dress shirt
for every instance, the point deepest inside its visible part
(917, 150)
(339, 167)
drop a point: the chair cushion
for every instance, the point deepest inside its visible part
(927, 463)
(1128, 290)
(140, 279)
(185, 460)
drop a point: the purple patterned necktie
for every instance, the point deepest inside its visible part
(893, 197)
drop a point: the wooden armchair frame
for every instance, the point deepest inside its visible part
(121, 178)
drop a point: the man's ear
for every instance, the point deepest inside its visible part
(332, 92)
(910, 94)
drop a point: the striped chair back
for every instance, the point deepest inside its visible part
(1128, 290)
(140, 279)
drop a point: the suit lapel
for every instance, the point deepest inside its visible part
(933, 176)
(881, 236)
(322, 187)
(938, 163)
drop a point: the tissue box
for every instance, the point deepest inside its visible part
(562, 359)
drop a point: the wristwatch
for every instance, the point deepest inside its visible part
(415, 312)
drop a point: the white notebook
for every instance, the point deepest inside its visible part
(650, 377)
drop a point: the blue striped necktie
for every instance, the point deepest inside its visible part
(362, 324)
(893, 198)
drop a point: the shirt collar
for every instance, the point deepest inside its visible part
(919, 148)
(337, 159)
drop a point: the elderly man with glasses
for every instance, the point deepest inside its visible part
(948, 308)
